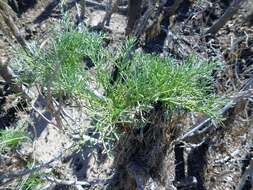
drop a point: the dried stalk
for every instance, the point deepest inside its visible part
(11, 25)
(247, 176)
(13, 175)
(52, 110)
(6, 17)
(153, 13)
(67, 182)
(143, 22)
(47, 120)
(230, 12)
(49, 99)
(5, 7)
(199, 131)
(80, 8)
(9, 77)
(134, 12)
(83, 8)
(101, 6)
(112, 8)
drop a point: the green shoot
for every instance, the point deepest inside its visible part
(10, 138)
(33, 181)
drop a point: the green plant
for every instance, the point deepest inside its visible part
(143, 80)
(147, 79)
(61, 65)
(33, 181)
(10, 138)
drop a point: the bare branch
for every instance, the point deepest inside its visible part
(247, 176)
(154, 12)
(230, 12)
(112, 8)
(67, 182)
(9, 77)
(13, 175)
(83, 8)
(134, 12)
(47, 120)
(201, 129)
(121, 9)
(13, 28)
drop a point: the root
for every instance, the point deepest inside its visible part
(140, 153)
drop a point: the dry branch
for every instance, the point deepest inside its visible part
(154, 12)
(142, 24)
(9, 77)
(42, 116)
(5, 7)
(6, 13)
(102, 6)
(199, 132)
(112, 8)
(14, 30)
(95, 4)
(230, 12)
(134, 12)
(247, 176)
(67, 182)
(83, 8)
(13, 175)
(172, 9)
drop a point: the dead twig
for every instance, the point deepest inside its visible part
(63, 111)
(83, 8)
(5, 71)
(52, 110)
(13, 175)
(142, 24)
(134, 12)
(121, 10)
(199, 131)
(7, 13)
(5, 7)
(67, 182)
(154, 12)
(9, 77)
(80, 9)
(247, 176)
(47, 120)
(230, 12)
(112, 8)
(49, 99)
(96, 4)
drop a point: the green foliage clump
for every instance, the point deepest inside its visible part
(143, 79)
(33, 181)
(147, 79)
(150, 79)
(10, 138)
(61, 63)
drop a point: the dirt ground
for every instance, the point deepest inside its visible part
(218, 161)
